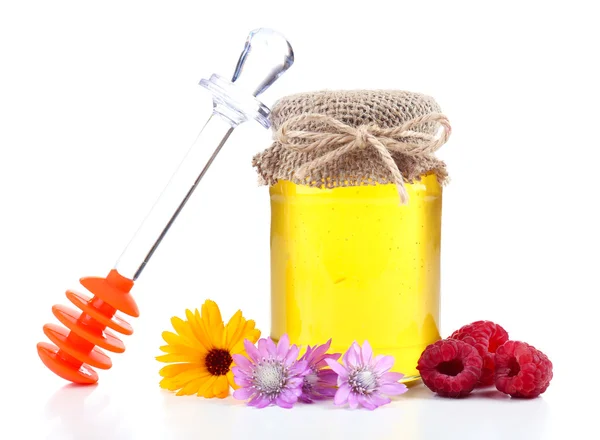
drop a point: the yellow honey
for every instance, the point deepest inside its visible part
(351, 263)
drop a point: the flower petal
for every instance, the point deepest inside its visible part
(341, 396)
(240, 378)
(320, 351)
(306, 398)
(325, 391)
(353, 358)
(283, 403)
(384, 364)
(366, 353)
(345, 357)
(271, 348)
(167, 384)
(172, 338)
(247, 332)
(294, 382)
(233, 329)
(242, 362)
(263, 402)
(211, 315)
(291, 356)
(353, 400)
(176, 383)
(262, 348)
(185, 377)
(366, 402)
(204, 328)
(198, 330)
(391, 377)
(307, 356)
(175, 369)
(338, 368)
(322, 364)
(238, 372)
(243, 393)
(300, 368)
(193, 386)
(221, 387)
(223, 394)
(335, 356)
(297, 391)
(208, 389)
(239, 382)
(231, 380)
(283, 346)
(252, 350)
(184, 330)
(393, 389)
(193, 353)
(255, 400)
(288, 395)
(252, 332)
(379, 400)
(327, 377)
(168, 358)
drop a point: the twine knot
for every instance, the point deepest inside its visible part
(298, 133)
(362, 136)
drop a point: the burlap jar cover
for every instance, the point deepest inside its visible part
(349, 138)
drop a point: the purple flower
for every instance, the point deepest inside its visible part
(271, 375)
(320, 382)
(363, 380)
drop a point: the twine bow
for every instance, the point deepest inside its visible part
(297, 134)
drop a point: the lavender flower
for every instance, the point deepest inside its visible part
(320, 382)
(363, 380)
(271, 375)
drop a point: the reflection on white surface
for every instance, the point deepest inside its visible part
(130, 405)
(416, 415)
(486, 413)
(82, 412)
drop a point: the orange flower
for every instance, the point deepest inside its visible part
(200, 352)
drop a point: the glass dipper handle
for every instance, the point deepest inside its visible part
(266, 56)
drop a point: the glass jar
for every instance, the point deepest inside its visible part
(351, 263)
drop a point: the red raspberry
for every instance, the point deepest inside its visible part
(450, 368)
(486, 337)
(522, 370)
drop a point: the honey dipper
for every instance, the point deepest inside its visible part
(77, 349)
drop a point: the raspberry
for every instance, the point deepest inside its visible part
(522, 370)
(450, 368)
(486, 337)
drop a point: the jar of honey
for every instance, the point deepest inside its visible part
(355, 253)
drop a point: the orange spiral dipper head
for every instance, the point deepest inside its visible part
(79, 346)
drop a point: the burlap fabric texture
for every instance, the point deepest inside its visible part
(357, 137)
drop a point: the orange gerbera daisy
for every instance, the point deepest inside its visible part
(200, 352)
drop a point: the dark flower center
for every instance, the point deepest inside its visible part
(451, 368)
(514, 367)
(218, 362)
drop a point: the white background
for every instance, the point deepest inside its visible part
(99, 101)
